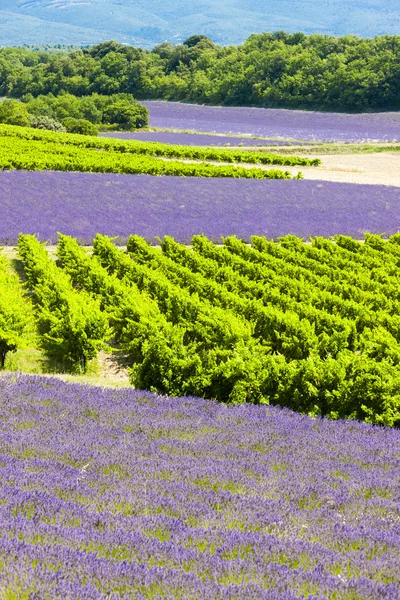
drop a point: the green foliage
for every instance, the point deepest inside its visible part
(45, 122)
(216, 340)
(71, 324)
(313, 327)
(195, 40)
(120, 110)
(246, 327)
(345, 364)
(269, 69)
(13, 112)
(15, 316)
(126, 116)
(160, 359)
(35, 150)
(163, 150)
(81, 126)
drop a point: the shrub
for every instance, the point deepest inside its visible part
(81, 126)
(43, 122)
(126, 115)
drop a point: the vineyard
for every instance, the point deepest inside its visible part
(313, 327)
(35, 150)
(200, 319)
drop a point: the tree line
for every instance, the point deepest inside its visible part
(270, 69)
(75, 114)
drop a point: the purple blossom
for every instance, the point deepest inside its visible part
(192, 139)
(83, 204)
(122, 493)
(279, 123)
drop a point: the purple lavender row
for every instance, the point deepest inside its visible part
(192, 139)
(83, 204)
(277, 123)
(115, 493)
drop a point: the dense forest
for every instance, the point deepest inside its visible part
(270, 70)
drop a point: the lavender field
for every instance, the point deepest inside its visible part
(280, 123)
(122, 493)
(192, 139)
(83, 204)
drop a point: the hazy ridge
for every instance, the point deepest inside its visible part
(148, 22)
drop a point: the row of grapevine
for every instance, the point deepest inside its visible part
(272, 314)
(72, 326)
(157, 149)
(339, 296)
(210, 321)
(327, 258)
(177, 346)
(256, 281)
(377, 335)
(36, 155)
(15, 312)
(335, 331)
(298, 372)
(154, 345)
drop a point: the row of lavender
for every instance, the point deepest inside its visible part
(121, 494)
(193, 139)
(277, 123)
(83, 204)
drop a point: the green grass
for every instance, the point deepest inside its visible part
(336, 148)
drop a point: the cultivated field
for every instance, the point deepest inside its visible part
(293, 324)
(277, 123)
(83, 204)
(121, 494)
(181, 277)
(194, 139)
(355, 163)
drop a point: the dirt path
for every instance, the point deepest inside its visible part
(114, 368)
(376, 169)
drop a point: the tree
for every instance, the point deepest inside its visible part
(126, 115)
(269, 69)
(194, 40)
(13, 112)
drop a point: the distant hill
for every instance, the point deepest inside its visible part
(149, 22)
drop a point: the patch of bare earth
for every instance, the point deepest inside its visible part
(375, 169)
(113, 367)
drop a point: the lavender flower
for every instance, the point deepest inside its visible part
(185, 498)
(279, 123)
(83, 204)
(192, 139)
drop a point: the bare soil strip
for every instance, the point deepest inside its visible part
(375, 169)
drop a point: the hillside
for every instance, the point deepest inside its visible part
(149, 22)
